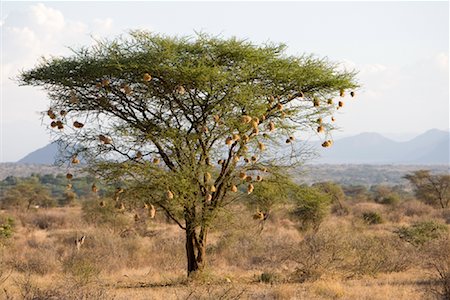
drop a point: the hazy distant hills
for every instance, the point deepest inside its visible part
(42, 156)
(431, 147)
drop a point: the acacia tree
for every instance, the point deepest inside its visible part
(187, 123)
(432, 189)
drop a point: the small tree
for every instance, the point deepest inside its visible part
(432, 189)
(159, 112)
(27, 193)
(312, 206)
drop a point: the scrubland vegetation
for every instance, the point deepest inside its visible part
(323, 241)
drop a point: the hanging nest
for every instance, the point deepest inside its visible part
(59, 124)
(248, 178)
(300, 94)
(169, 194)
(352, 94)
(216, 118)
(236, 158)
(147, 77)
(271, 126)
(69, 186)
(98, 85)
(127, 89)
(94, 188)
(221, 161)
(283, 115)
(263, 117)
(212, 189)
(75, 160)
(246, 160)
(139, 155)
(207, 176)
(254, 158)
(104, 139)
(63, 113)
(51, 114)
(279, 106)
(316, 102)
(234, 188)
(73, 98)
(208, 198)
(263, 169)
(292, 138)
(258, 216)
(69, 176)
(333, 119)
(271, 99)
(245, 138)
(261, 146)
(341, 103)
(256, 119)
(319, 120)
(53, 124)
(255, 130)
(244, 148)
(77, 124)
(250, 189)
(326, 144)
(205, 129)
(236, 137)
(156, 161)
(242, 175)
(102, 204)
(180, 90)
(246, 119)
(229, 141)
(258, 178)
(151, 211)
(288, 141)
(330, 101)
(105, 82)
(342, 93)
(254, 124)
(320, 129)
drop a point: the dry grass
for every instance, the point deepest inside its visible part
(344, 259)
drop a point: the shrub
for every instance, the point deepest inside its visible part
(6, 229)
(437, 260)
(269, 277)
(312, 206)
(372, 217)
(107, 216)
(422, 232)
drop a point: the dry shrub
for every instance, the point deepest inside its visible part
(415, 208)
(437, 260)
(345, 251)
(328, 289)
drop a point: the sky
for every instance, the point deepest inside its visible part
(400, 50)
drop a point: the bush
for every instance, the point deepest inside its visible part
(269, 277)
(107, 216)
(6, 229)
(422, 232)
(372, 217)
(312, 206)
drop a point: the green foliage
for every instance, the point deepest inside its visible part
(311, 206)
(6, 228)
(107, 216)
(432, 189)
(26, 194)
(422, 232)
(372, 217)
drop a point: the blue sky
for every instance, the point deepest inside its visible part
(399, 48)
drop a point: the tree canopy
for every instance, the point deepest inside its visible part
(185, 121)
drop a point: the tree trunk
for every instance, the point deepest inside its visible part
(192, 264)
(195, 250)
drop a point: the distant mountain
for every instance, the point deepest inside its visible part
(431, 147)
(42, 156)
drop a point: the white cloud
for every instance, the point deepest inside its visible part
(103, 24)
(48, 17)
